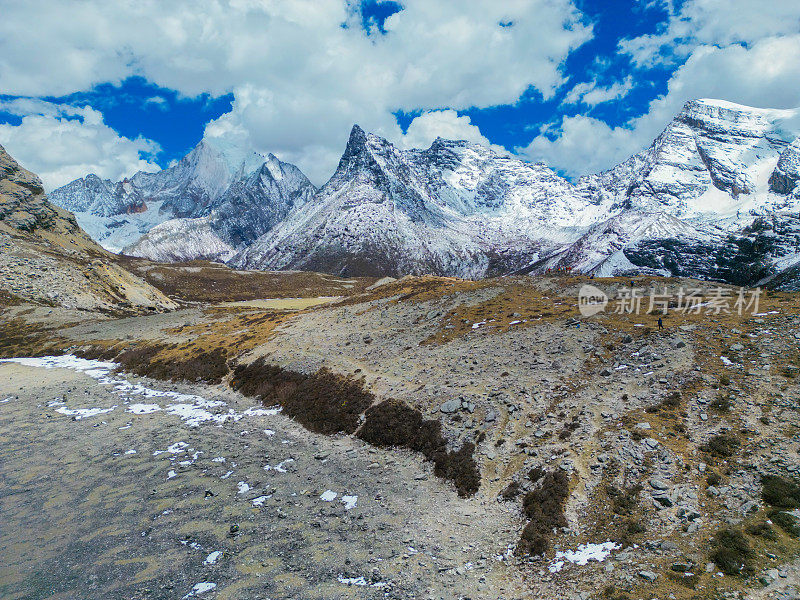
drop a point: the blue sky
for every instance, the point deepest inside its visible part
(579, 84)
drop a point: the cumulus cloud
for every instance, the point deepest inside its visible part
(712, 22)
(301, 71)
(446, 124)
(760, 75)
(61, 143)
(592, 94)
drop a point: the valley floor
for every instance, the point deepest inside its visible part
(662, 441)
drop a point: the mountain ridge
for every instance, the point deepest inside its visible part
(458, 208)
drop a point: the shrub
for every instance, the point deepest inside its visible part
(713, 478)
(623, 502)
(328, 403)
(721, 403)
(511, 491)
(763, 530)
(536, 473)
(393, 423)
(779, 492)
(786, 521)
(721, 445)
(544, 506)
(97, 353)
(732, 553)
(532, 541)
(570, 427)
(323, 402)
(210, 367)
(137, 360)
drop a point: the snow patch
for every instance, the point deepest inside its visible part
(200, 588)
(583, 555)
(82, 413)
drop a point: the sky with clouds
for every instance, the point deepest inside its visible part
(115, 87)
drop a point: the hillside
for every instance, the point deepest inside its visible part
(47, 258)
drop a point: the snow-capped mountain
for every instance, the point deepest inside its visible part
(715, 158)
(237, 196)
(698, 200)
(717, 195)
(456, 208)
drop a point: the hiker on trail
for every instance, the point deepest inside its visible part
(660, 323)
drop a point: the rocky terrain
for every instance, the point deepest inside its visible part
(714, 197)
(46, 257)
(251, 451)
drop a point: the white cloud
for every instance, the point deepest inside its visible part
(763, 75)
(61, 143)
(446, 124)
(592, 94)
(713, 22)
(300, 79)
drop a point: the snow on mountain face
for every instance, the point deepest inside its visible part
(714, 171)
(242, 194)
(694, 203)
(714, 159)
(456, 208)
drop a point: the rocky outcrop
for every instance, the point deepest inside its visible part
(46, 257)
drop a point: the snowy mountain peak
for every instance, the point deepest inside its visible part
(719, 116)
(239, 193)
(459, 208)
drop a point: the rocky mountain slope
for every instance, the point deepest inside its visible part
(713, 197)
(45, 256)
(715, 191)
(455, 208)
(217, 198)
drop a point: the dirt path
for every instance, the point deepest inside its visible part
(124, 505)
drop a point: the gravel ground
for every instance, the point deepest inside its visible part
(84, 516)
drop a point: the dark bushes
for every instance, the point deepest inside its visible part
(210, 367)
(97, 353)
(511, 491)
(762, 529)
(721, 403)
(393, 423)
(782, 494)
(786, 521)
(544, 506)
(779, 492)
(670, 401)
(323, 402)
(328, 403)
(623, 502)
(722, 445)
(732, 552)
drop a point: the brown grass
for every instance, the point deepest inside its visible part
(203, 281)
(18, 338)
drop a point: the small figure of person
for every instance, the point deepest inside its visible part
(660, 323)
